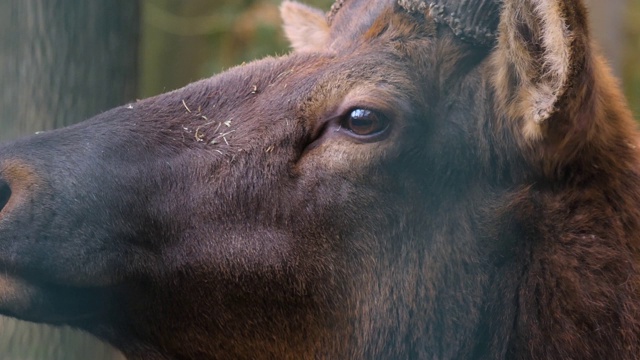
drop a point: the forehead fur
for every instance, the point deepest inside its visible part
(473, 20)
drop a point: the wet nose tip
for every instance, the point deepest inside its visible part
(5, 194)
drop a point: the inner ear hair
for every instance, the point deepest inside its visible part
(541, 46)
(306, 28)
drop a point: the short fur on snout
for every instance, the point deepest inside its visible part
(417, 179)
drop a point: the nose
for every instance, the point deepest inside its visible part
(5, 194)
(17, 181)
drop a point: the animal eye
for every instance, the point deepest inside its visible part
(363, 122)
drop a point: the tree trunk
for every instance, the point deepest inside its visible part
(608, 28)
(62, 61)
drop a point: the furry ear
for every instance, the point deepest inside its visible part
(541, 50)
(306, 28)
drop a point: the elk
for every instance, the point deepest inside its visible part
(417, 179)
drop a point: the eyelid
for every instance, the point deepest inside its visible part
(390, 103)
(378, 134)
(383, 99)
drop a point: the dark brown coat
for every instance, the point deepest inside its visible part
(401, 186)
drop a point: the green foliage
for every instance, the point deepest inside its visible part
(188, 40)
(632, 57)
(184, 41)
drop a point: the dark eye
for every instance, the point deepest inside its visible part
(363, 122)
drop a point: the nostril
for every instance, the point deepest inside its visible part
(5, 194)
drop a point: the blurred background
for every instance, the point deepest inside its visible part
(62, 61)
(183, 41)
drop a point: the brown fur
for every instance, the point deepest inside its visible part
(496, 217)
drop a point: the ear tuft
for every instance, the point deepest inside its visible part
(305, 27)
(542, 44)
